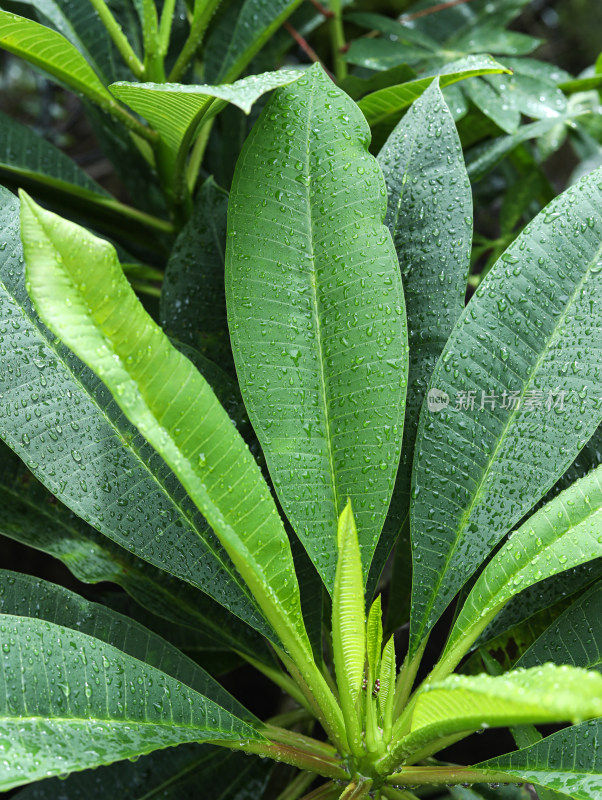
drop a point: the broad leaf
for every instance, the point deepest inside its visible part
(318, 326)
(241, 31)
(86, 703)
(569, 762)
(429, 214)
(169, 401)
(574, 638)
(193, 307)
(461, 703)
(63, 423)
(26, 596)
(563, 534)
(515, 363)
(174, 110)
(383, 54)
(492, 102)
(172, 774)
(31, 515)
(384, 108)
(50, 51)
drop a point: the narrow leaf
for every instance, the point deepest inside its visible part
(102, 705)
(104, 323)
(374, 638)
(478, 467)
(318, 326)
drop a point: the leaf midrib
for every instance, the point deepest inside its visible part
(487, 471)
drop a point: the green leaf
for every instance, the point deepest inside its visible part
(374, 639)
(173, 774)
(477, 470)
(563, 534)
(348, 624)
(461, 703)
(484, 791)
(187, 426)
(318, 327)
(50, 51)
(384, 108)
(493, 104)
(569, 762)
(242, 30)
(31, 515)
(193, 306)
(26, 596)
(574, 638)
(383, 54)
(530, 95)
(174, 110)
(429, 215)
(86, 716)
(491, 39)
(393, 28)
(357, 87)
(59, 418)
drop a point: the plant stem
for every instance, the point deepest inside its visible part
(397, 794)
(196, 156)
(299, 740)
(117, 35)
(280, 679)
(320, 765)
(405, 681)
(337, 38)
(290, 718)
(153, 61)
(328, 791)
(200, 21)
(145, 288)
(357, 789)
(165, 26)
(297, 786)
(420, 776)
(130, 122)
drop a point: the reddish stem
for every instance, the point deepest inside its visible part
(432, 10)
(326, 12)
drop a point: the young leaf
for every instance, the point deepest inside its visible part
(461, 703)
(102, 705)
(103, 322)
(348, 624)
(60, 419)
(429, 214)
(318, 326)
(384, 107)
(518, 351)
(386, 695)
(26, 596)
(374, 638)
(172, 774)
(574, 638)
(568, 762)
(563, 534)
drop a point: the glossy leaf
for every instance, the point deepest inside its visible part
(461, 703)
(86, 716)
(50, 51)
(193, 307)
(26, 596)
(243, 29)
(574, 638)
(318, 326)
(429, 215)
(74, 438)
(188, 427)
(348, 623)
(374, 639)
(174, 109)
(568, 762)
(383, 54)
(384, 108)
(478, 470)
(31, 515)
(173, 774)
(563, 534)
(493, 104)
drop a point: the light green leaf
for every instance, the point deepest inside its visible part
(31, 515)
(574, 638)
(531, 96)
(173, 774)
(493, 104)
(478, 470)
(185, 424)
(374, 639)
(348, 624)
(102, 705)
(242, 30)
(563, 534)
(569, 762)
(388, 673)
(384, 108)
(193, 306)
(462, 703)
(26, 596)
(50, 51)
(429, 214)
(318, 326)
(175, 110)
(60, 419)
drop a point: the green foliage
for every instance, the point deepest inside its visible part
(224, 420)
